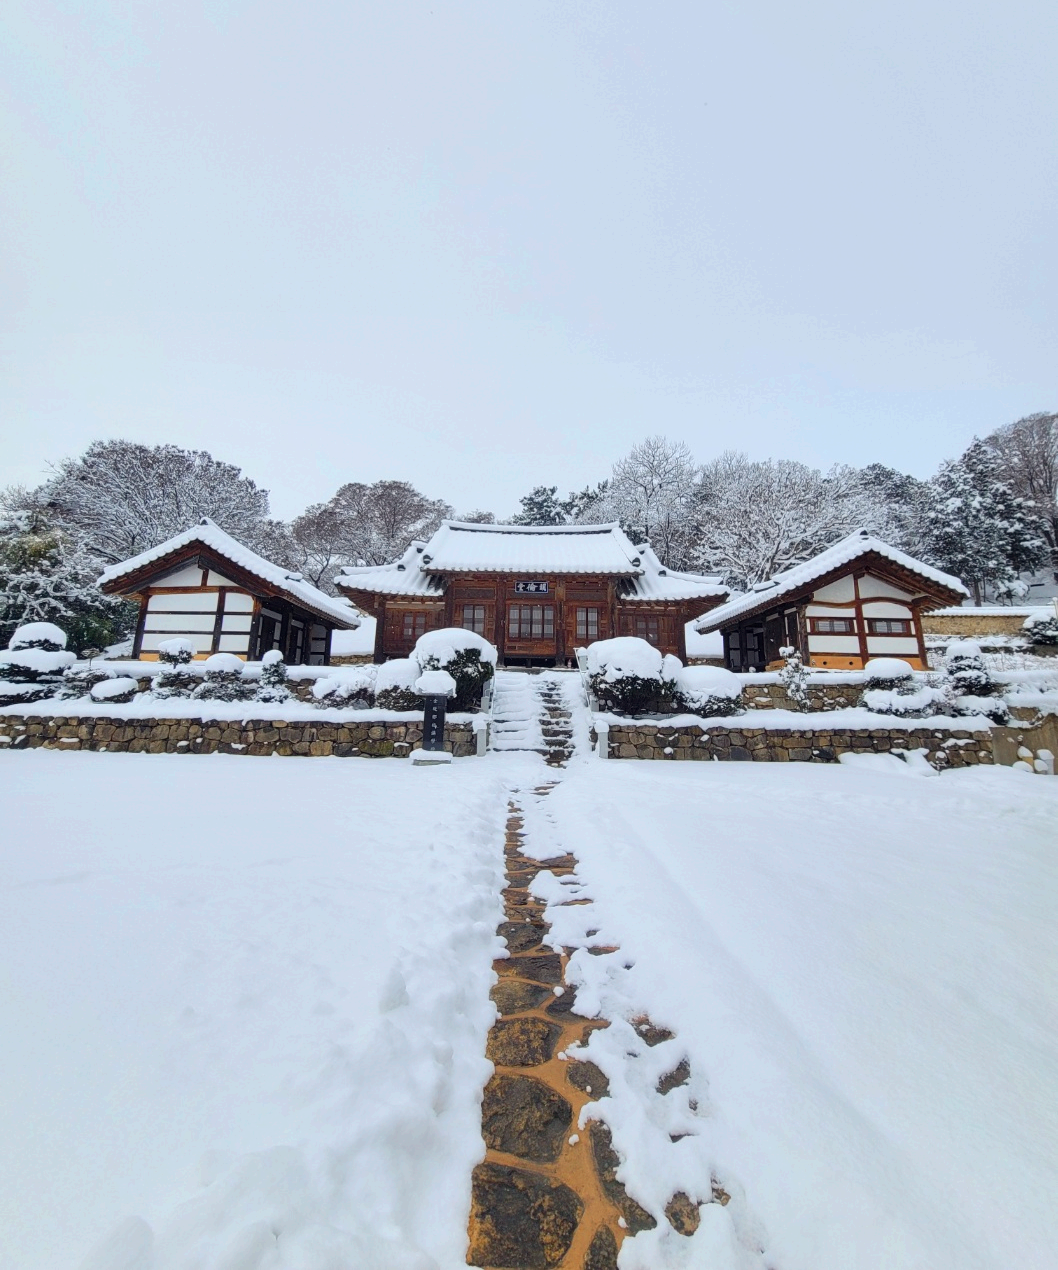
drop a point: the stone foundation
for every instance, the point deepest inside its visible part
(367, 739)
(942, 747)
(820, 697)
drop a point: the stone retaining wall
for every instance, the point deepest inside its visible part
(972, 625)
(943, 747)
(366, 739)
(820, 697)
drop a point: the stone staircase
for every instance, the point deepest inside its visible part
(529, 713)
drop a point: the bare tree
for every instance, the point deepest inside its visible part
(363, 524)
(120, 498)
(651, 492)
(1027, 454)
(755, 519)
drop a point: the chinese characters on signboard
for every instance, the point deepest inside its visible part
(530, 588)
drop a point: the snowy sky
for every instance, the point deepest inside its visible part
(484, 246)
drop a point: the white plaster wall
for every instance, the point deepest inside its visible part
(200, 601)
(238, 602)
(844, 644)
(886, 608)
(232, 622)
(203, 642)
(892, 646)
(875, 586)
(823, 610)
(216, 579)
(234, 643)
(189, 575)
(840, 590)
(179, 622)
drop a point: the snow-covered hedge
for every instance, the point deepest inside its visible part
(709, 690)
(395, 684)
(177, 679)
(630, 676)
(33, 666)
(970, 682)
(469, 659)
(224, 680)
(348, 686)
(1041, 628)
(272, 685)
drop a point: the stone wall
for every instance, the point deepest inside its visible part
(367, 739)
(972, 625)
(943, 747)
(821, 696)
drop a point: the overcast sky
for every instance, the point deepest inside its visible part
(486, 246)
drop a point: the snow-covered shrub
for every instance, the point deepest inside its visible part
(32, 668)
(794, 677)
(907, 701)
(43, 635)
(272, 685)
(890, 688)
(966, 670)
(79, 680)
(395, 685)
(177, 679)
(709, 690)
(629, 676)
(114, 691)
(352, 686)
(224, 680)
(886, 672)
(1041, 628)
(468, 658)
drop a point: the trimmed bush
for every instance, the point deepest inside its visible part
(33, 666)
(629, 676)
(272, 686)
(395, 685)
(177, 679)
(468, 658)
(224, 680)
(1041, 628)
(710, 691)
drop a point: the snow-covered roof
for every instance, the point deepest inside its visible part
(458, 547)
(657, 583)
(860, 543)
(283, 580)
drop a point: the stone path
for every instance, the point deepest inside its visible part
(547, 1193)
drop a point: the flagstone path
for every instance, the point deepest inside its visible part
(547, 1193)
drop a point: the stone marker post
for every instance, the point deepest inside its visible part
(435, 687)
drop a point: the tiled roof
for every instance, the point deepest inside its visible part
(212, 536)
(457, 547)
(857, 544)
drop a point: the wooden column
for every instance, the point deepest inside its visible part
(861, 625)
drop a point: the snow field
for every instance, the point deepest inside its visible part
(246, 1007)
(861, 964)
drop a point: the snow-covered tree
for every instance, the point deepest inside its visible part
(541, 506)
(652, 492)
(1027, 456)
(46, 576)
(906, 500)
(120, 498)
(363, 524)
(754, 519)
(979, 528)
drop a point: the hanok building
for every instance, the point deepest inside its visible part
(209, 588)
(861, 598)
(536, 592)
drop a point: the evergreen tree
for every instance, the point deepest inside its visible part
(541, 506)
(978, 528)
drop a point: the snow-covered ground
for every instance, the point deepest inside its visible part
(864, 964)
(245, 1005)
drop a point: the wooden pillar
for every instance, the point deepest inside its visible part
(861, 625)
(379, 654)
(141, 622)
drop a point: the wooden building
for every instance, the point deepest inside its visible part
(861, 598)
(536, 592)
(209, 588)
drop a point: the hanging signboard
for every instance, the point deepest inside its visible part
(530, 588)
